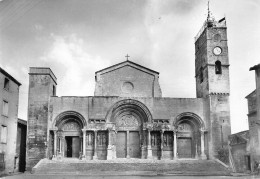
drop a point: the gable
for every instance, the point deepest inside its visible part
(127, 63)
(127, 79)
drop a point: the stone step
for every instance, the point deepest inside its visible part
(119, 167)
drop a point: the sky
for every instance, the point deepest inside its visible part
(75, 38)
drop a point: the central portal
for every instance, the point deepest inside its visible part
(133, 144)
(72, 146)
(121, 144)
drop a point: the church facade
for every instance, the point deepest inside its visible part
(128, 118)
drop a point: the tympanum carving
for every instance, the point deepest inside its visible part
(71, 126)
(127, 121)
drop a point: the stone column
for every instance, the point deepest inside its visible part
(55, 143)
(109, 147)
(84, 143)
(149, 149)
(203, 155)
(127, 145)
(175, 156)
(142, 144)
(162, 141)
(95, 145)
(60, 144)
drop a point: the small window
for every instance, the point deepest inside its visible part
(6, 84)
(5, 108)
(3, 134)
(218, 69)
(54, 90)
(201, 74)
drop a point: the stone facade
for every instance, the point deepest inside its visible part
(9, 96)
(128, 117)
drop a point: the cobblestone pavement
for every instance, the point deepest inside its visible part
(30, 176)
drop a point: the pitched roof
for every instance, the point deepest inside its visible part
(239, 138)
(125, 63)
(253, 93)
(9, 76)
(254, 67)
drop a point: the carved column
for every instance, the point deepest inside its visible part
(149, 149)
(203, 155)
(84, 143)
(55, 143)
(162, 141)
(175, 156)
(127, 145)
(95, 145)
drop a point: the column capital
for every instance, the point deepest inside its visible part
(54, 129)
(202, 131)
(162, 131)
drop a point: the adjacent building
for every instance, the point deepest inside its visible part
(9, 97)
(245, 146)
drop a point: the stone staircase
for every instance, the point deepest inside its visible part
(130, 167)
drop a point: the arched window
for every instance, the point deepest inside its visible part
(201, 74)
(218, 69)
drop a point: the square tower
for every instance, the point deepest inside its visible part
(42, 85)
(212, 82)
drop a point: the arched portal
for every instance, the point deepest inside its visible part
(190, 135)
(68, 136)
(129, 117)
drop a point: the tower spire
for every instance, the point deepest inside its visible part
(208, 17)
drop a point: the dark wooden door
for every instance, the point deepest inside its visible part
(75, 147)
(121, 145)
(69, 146)
(134, 144)
(184, 147)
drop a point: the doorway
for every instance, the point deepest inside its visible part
(121, 145)
(134, 144)
(184, 147)
(72, 146)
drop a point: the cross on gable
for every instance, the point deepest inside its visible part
(127, 57)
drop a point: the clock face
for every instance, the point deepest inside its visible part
(217, 50)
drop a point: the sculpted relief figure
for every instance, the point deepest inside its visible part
(70, 126)
(127, 120)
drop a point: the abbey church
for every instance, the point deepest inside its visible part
(128, 118)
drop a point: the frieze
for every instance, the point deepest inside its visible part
(157, 126)
(96, 127)
(126, 128)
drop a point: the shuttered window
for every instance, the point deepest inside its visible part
(3, 134)
(5, 108)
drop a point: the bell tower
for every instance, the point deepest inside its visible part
(212, 81)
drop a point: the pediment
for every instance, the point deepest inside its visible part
(124, 64)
